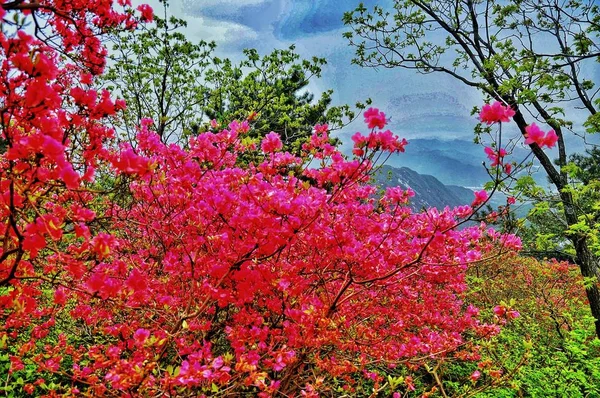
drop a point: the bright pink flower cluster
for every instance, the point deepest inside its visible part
(147, 12)
(271, 143)
(129, 162)
(380, 140)
(374, 118)
(496, 113)
(319, 144)
(480, 198)
(536, 136)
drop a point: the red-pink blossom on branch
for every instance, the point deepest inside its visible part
(534, 135)
(480, 197)
(147, 12)
(495, 156)
(375, 118)
(271, 143)
(495, 113)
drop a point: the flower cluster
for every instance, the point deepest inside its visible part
(536, 136)
(496, 113)
(374, 118)
(377, 140)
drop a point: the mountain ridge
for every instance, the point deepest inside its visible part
(429, 191)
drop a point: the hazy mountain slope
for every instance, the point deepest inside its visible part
(429, 191)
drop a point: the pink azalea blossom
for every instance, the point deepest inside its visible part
(375, 118)
(147, 12)
(495, 156)
(495, 113)
(550, 139)
(140, 336)
(536, 136)
(480, 197)
(500, 310)
(271, 143)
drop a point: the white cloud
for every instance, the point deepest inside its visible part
(195, 6)
(203, 28)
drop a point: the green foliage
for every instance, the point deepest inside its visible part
(546, 232)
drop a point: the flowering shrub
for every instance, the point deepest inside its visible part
(246, 278)
(211, 277)
(546, 345)
(550, 348)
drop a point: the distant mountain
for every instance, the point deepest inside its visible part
(456, 162)
(429, 191)
(453, 162)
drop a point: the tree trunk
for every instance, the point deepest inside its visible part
(588, 268)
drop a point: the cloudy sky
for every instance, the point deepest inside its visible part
(419, 106)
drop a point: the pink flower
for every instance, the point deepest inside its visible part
(536, 136)
(69, 176)
(550, 139)
(511, 200)
(130, 163)
(375, 118)
(500, 310)
(147, 12)
(480, 197)
(140, 336)
(495, 156)
(321, 128)
(271, 143)
(473, 255)
(60, 297)
(358, 152)
(495, 113)
(475, 375)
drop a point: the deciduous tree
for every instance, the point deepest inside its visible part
(159, 73)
